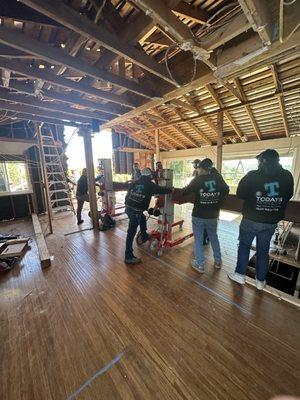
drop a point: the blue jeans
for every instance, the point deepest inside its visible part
(136, 218)
(210, 225)
(263, 233)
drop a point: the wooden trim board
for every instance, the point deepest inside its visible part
(275, 292)
(13, 250)
(44, 255)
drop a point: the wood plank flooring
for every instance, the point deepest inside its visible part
(154, 331)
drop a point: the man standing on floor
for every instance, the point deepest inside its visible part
(136, 202)
(209, 188)
(265, 192)
(82, 193)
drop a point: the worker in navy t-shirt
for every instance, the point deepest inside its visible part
(266, 192)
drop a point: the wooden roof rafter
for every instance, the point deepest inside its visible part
(65, 83)
(59, 57)
(278, 87)
(248, 107)
(216, 98)
(82, 25)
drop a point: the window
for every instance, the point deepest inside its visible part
(234, 170)
(14, 178)
(182, 172)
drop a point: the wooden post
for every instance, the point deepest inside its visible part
(44, 175)
(88, 150)
(220, 141)
(157, 150)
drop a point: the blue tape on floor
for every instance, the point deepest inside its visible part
(208, 289)
(102, 371)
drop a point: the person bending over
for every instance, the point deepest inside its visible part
(266, 192)
(209, 188)
(136, 202)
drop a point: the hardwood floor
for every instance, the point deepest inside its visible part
(91, 328)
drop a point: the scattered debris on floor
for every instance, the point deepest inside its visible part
(12, 249)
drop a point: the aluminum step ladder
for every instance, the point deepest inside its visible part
(59, 191)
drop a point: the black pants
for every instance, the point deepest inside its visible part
(136, 218)
(80, 202)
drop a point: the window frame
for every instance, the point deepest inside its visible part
(15, 193)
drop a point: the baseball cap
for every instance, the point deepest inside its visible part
(268, 155)
(206, 164)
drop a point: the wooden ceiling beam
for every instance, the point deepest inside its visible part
(70, 18)
(21, 108)
(167, 134)
(258, 15)
(278, 88)
(65, 83)
(217, 100)
(231, 62)
(38, 118)
(197, 130)
(57, 56)
(70, 98)
(206, 119)
(234, 106)
(163, 16)
(167, 145)
(7, 95)
(237, 25)
(196, 14)
(247, 107)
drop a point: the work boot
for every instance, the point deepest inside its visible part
(133, 260)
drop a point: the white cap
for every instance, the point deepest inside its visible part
(146, 172)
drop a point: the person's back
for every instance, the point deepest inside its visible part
(82, 185)
(266, 193)
(140, 192)
(137, 200)
(209, 188)
(209, 192)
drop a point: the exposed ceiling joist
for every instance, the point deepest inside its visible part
(163, 16)
(224, 34)
(196, 14)
(216, 98)
(57, 56)
(233, 61)
(38, 118)
(56, 10)
(258, 15)
(248, 108)
(278, 87)
(21, 108)
(49, 105)
(78, 102)
(232, 107)
(35, 73)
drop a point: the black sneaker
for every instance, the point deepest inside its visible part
(133, 260)
(80, 222)
(146, 239)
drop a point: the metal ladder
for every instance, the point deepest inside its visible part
(59, 192)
